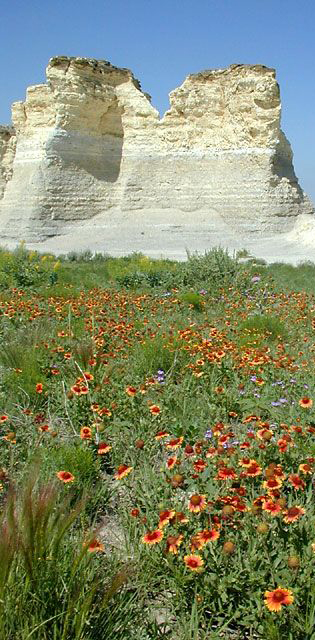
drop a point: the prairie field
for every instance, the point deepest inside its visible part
(157, 452)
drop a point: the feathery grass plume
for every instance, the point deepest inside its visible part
(51, 586)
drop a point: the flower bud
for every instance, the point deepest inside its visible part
(177, 480)
(256, 509)
(263, 527)
(228, 510)
(267, 435)
(293, 562)
(228, 547)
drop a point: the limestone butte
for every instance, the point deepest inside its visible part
(89, 145)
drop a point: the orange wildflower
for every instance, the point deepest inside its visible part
(251, 418)
(211, 452)
(152, 537)
(306, 403)
(43, 427)
(189, 450)
(197, 503)
(253, 470)
(278, 471)
(103, 448)
(194, 562)
(226, 474)
(273, 508)
(104, 412)
(39, 388)
(293, 513)
(199, 465)
(122, 471)
(305, 468)
(175, 443)
(155, 410)
(264, 434)
(173, 543)
(245, 462)
(76, 389)
(195, 543)
(296, 481)
(274, 600)
(208, 535)
(85, 433)
(165, 517)
(170, 463)
(161, 434)
(272, 483)
(179, 517)
(88, 376)
(10, 437)
(282, 445)
(131, 391)
(94, 545)
(83, 389)
(65, 476)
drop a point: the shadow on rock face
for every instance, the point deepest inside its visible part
(83, 151)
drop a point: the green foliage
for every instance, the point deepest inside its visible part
(21, 359)
(76, 458)
(291, 278)
(194, 300)
(259, 328)
(23, 268)
(148, 361)
(215, 268)
(80, 460)
(50, 585)
(154, 354)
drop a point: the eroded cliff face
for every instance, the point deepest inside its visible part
(90, 144)
(7, 151)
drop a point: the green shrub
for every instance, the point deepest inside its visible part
(23, 268)
(215, 267)
(194, 300)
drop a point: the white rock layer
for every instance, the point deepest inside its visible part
(89, 144)
(7, 151)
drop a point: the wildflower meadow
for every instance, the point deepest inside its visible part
(157, 455)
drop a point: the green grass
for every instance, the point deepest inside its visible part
(259, 329)
(290, 278)
(215, 356)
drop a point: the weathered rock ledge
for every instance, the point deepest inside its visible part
(89, 146)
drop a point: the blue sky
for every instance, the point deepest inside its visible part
(162, 41)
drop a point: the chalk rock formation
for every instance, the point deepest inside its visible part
(90, 144)
(7, 151)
